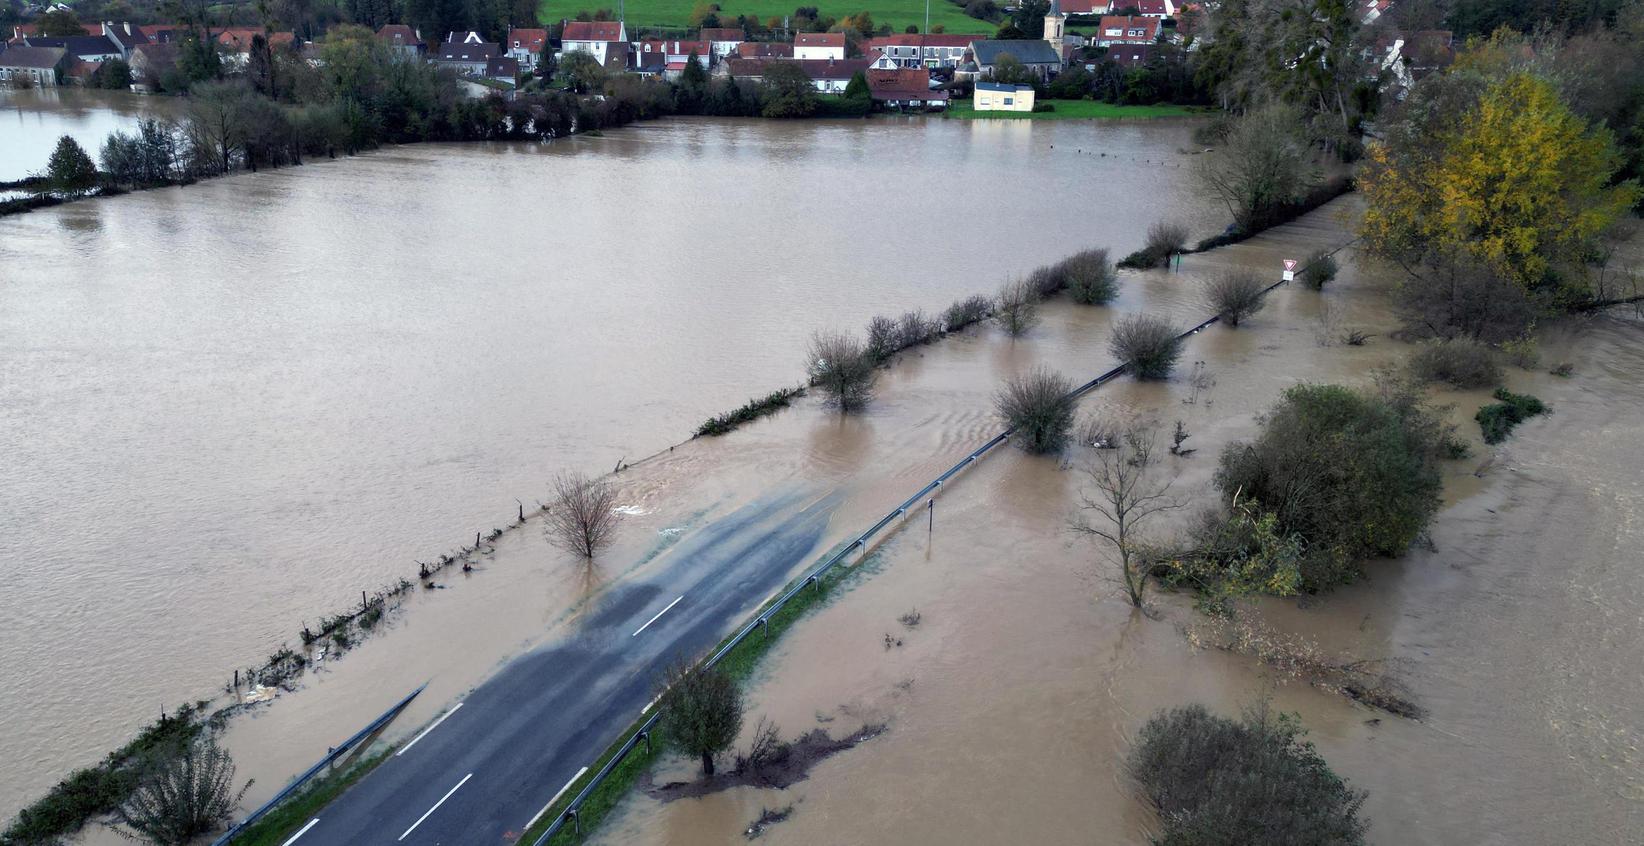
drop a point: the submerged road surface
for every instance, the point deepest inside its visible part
(484, 770)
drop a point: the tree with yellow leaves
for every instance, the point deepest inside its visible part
(1496, 176)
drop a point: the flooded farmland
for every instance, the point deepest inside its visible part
(232, 406)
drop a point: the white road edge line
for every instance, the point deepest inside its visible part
(649, 705)
(436, 806)
(654, 619)
(301, 832)
(556, 797)
(407, 747)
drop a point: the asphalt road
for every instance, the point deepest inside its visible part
(484, 769)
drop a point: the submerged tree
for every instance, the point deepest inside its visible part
(71, 170)
(583, 516)
(701, 712)
(183, 795)
(843, 368)
(1124, 493)
(1038, 406)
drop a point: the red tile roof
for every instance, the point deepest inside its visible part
(531, 40)
(1124, 24)
(819, 39)
(400, 35)
(764, 50)
(933, 40)
(1085, 7)
(592, 31)
(902, 84)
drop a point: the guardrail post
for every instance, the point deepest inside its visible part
(646, 736)
(765, 626)
(576, 819)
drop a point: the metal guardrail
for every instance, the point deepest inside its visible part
(570, 814)
(330, 757)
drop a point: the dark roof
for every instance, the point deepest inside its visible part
(1002, 86)
(32, 57)
(79, 45)
(813, 68)
(902, 84)
(468, 52)
(503, 68)
(764, 49)
(1028, 52)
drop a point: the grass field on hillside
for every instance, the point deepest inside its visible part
(1074, 110)
(677, 13)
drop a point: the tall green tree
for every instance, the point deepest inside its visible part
(701, 712)
(71, 171)
(788, 91)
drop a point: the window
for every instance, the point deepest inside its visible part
(1010, 101)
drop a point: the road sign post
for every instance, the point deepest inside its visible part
(1289, 270)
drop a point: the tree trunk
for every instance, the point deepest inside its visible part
(707, 763)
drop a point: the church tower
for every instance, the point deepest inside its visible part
(1055, 23)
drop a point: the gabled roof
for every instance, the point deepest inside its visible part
(529, 40)
(400, 35)
(1150, 8)
(764, 50)
(504, 67)
(816, 69)
(239, 38)
(902, 84)
(592, 31)
(163, 32)
(723, 33)
(76, 45)
(819, 39)
(1028, 52)
(937, 39)
(1149, 28)
(36, 58)
(675, 47)
(458, 52)
(1085, 7)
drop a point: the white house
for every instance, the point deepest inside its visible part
(819, 45)
(722, 41)
(594, 37)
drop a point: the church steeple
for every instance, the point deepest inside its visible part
(1055, 24)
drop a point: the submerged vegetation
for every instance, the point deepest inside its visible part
(1497, 419)
(750, 411)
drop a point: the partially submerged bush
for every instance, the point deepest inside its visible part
(966, 312)
(1038, 407)
(1018, 306)
(184, 793)
(1147, 346)
(1318, 270)
(1164, 240)
(1090, 278)
(916, 328)
(1457, 362)
(1354, 475)
(1047, 281)
(884, 338)
(1221, 782)
(1235, 295)
(750, 411)
(1498, 419)
(841, 367)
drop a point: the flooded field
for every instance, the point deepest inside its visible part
(32, 120)
(1009, 705)
(230, 407)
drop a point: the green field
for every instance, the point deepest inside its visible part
(677, 13)
(1075, 110)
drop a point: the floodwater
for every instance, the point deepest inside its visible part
(32, 120)
(230, 407)
(1010, 704)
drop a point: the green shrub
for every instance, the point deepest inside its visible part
(966, 312)
(1498, 419)
(1318, 270)
(1222, 782)
(1037, 406)
(750, 411)
(884, 338)
(1164, 239)
(1089, 277)
(1147, 346)
(1457, 362)
(1354, 475)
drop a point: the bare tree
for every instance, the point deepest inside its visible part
(1018, 306)
(843, 368)
(1038, 406)
(182, 796)
(1124, 493)
(1235, 295)
(583, 517)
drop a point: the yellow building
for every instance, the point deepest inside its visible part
(1001, 97)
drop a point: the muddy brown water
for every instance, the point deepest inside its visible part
(230, 407)
(1010, 704)
(31, 121)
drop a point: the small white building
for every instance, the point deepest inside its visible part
(819, 45)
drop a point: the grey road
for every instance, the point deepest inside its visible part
(484, 769)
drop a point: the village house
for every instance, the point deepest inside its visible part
(1128, 55)
(1086, 7)
(125, 37)
(1002, 97)
(163, 33)
(722, 41)
(1127, 29)
(597, 38)
(1147, 8)
(829, 76)
(466, 57)
(918, 51)
(819, 45)
(525, 46)
(1042, 60)
(35, 67)
(502, 69)
(236, 42)
(674, 55)
(905, 88)
(150, 62)
(403, 41)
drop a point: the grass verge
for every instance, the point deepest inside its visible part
(1074, 110)
(740, 663)
(676, 14)
(283, 821)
